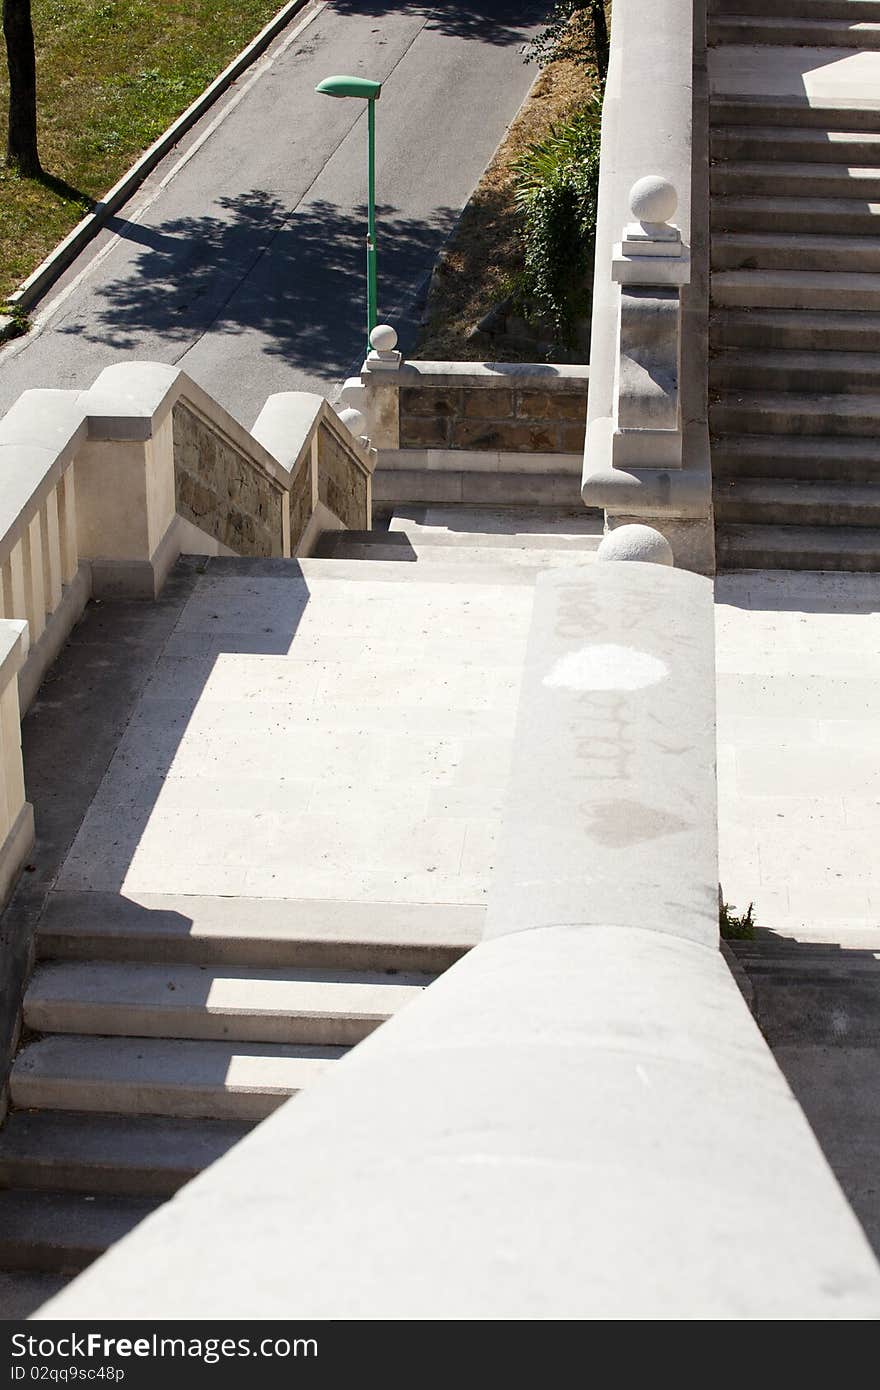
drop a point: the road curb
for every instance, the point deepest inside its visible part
(66, 251)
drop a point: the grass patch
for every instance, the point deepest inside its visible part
(111, 76)
(484, 259)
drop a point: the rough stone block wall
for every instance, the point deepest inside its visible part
(341, 485)
(221, 491)
(300, 503)
(502, 417)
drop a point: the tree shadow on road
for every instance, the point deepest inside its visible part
(491, 21)
(251, 266)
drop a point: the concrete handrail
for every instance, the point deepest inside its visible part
(580, 1119)
(646, 452)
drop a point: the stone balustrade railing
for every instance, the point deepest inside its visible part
(16, 813)
(580, 1119)
(103, 489)
(646, 455)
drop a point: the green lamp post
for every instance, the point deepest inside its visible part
(369, 92)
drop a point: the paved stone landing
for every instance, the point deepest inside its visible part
(799, 750)
(315, 737)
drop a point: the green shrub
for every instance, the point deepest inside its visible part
(556, 189)
(735, 928)
(576, 30)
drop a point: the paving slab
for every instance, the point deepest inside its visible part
(218, 783)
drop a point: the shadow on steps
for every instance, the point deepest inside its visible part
(818, 1006)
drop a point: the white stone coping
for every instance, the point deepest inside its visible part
(646, 130)
(613, 821)
(532, 376)
(130, 400)
(647, 492)
(42, 432)
(13, 648)
(67, 250)
(478, 461)
(39, 436)
(289, 420)
(580, 1119)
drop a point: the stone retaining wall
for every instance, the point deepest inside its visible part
(517, 408)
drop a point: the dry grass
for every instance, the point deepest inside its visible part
(112, 75)
(484, 254)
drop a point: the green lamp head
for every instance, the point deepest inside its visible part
(350, 87)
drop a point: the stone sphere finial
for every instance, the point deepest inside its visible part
(635, 542)
(355, 421)
(383, 338)
(653, 199)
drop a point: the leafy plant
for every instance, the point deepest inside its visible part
(556, 191)
(576, 30)
(735, 928)
(19, 322)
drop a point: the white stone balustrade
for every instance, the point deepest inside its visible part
(646, 455)
(41, 576)
(89, 504)
(16, 813)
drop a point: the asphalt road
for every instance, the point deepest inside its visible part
(242, 257)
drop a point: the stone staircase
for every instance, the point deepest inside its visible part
(795, 352)
(293, 837)
(818, 1005)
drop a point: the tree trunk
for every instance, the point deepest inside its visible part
(600, 37)
(21, 150)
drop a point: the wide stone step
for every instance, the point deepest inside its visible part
(820, 330)
(796, 502)
(837, 216)
(787, 251)
(258, 932)
(760, 412)
(131, 1155)
(782, 179)
(803, 456)
(794, 31)
(779, 370)
(148, 1076)
(398, 546)
(795, 144)
(467, 488)
(463, 527)
(458, 570)
(795, 109)
(795, 289)
(797, 548)
(801, 9)
(63, 1231)
(790, 959)
(200, 1001)
(807, 998)
(22, 1292)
